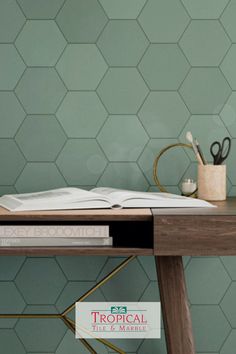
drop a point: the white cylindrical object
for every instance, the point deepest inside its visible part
(188, 186)
(212, 182)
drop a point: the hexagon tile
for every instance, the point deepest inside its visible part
(81, 67)
(205, 90)
(40, 138)
(164, 67)
(9, 267)
(122, 90)
(11, 67)
(11, 300)
(163, 114)
(81, 114)
(81, 162)
(73, 267)
(209, 275)
(130, 289)
(122, 138)
(227, 19)
(164, 20)
(38, 176)
(210, 327)
(11, 20)
(205, 43)
(81, 21)
(11, 161)
(40, 43)
(74, 290)
(230, 265)
(122, 43)
(229, 344)
(10, 342)
(40, 90)
(45, 335)
(227, 304)
(227, 66)
(11, 114)
(40, 281)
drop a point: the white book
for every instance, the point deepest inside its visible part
(75, 231)
(97, 198)
(55, 241)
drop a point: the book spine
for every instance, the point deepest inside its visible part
(55, 242)
(54, 231)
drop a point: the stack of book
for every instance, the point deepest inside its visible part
(55, 236)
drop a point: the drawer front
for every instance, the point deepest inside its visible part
(194, 235)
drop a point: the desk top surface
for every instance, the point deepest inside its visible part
(78, 215)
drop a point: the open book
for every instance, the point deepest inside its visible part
(104, 198)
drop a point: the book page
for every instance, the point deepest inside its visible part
(64, 194)
(133, 199)
(61, 198)
(121, 195)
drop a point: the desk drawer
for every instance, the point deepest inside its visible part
(195, 235)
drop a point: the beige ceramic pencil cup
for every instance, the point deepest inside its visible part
(212, 182)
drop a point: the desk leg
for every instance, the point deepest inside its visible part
(174, 302)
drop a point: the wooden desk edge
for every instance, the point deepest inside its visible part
(75, 251)
(78, 215)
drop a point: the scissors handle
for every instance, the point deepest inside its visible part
(225, 149)
(216, 152)
(222, 151)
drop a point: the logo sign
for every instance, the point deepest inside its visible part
(118, 320)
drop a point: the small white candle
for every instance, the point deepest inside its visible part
(188, 186)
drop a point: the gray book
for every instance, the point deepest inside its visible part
(55, 241)
(52, 231)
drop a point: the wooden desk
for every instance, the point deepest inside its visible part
(168, 234)
(192, 232)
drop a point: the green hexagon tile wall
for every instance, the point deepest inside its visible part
(90, 91)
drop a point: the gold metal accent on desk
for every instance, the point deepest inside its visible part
(71, 324)
(100, 283)
(155, 163)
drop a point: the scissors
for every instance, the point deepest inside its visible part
(222, 151)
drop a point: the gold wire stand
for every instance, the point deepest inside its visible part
(71, 324)
(156, 161)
